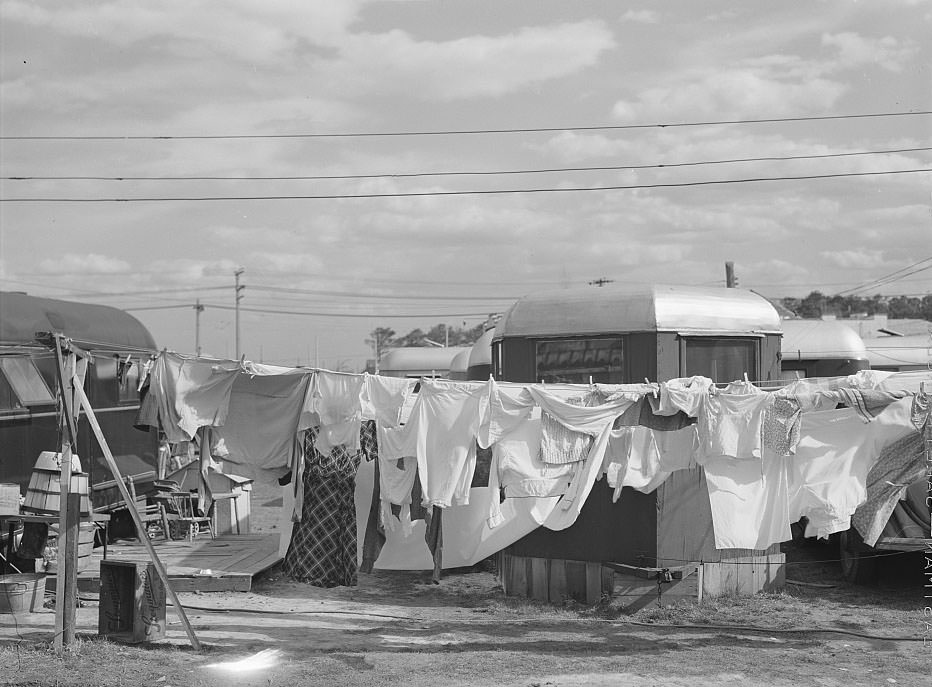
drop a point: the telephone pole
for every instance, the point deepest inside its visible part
(239, 296)
(731, 281)
(198, 309)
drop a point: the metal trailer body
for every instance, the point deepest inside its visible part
(900, 353)
(479, 366)
(821, 348)
(28, 413)
(626, 335)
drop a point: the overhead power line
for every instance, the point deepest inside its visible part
(411, 175)
(347, 314)
(462, 132)
(888, 278)
(486, 192)
(357, 294)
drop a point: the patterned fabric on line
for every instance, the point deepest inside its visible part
(323, 545)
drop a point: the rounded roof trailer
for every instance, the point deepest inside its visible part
(649, 308)
(418, 361)
(820, 340)
(479, 366)
(623, 335)
(459, 364)
(28, 380)
(900, 352)
(95, 327)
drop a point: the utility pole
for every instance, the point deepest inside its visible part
(238, 289)
(198, 309)
(730, 280)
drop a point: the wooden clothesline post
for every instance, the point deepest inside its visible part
(66, 588)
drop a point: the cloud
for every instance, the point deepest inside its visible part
(574, 146)
(730, 93)
(641, 16)
(769, 272)
(473, 66)
(855, 50)
(854, 259)
(90, 263)
(238, 29)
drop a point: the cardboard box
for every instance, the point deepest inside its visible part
(9, 499)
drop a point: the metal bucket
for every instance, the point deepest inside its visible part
(22, 593)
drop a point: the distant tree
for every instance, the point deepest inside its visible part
(901, 307)
(816, 305)
(381, 338)
(413, 338)
(812, 306)
(439, 333)
(926, 308)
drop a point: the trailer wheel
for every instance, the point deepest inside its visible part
(858, 564)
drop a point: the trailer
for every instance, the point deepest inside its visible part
(615, 335)
(29, 422)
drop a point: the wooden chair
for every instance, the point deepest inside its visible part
(152, 515)
(181, 507)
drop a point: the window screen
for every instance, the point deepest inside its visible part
(578, 360)
(25, 381)
(721, 360)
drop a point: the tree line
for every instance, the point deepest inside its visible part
(441, 334)
(817, 304)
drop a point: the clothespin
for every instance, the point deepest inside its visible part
(653, 388)
(746, 378)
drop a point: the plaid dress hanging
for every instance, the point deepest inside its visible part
(323, 545)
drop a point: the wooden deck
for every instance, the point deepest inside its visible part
(227, 563)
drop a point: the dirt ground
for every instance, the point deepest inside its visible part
(398, 627)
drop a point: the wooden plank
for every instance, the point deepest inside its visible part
(538, 579)
(556, 592)
(189, 583)
(504, 568)
(593, 582)
(181, 561)
(519, 576)
(576, 580)
(712, 579)
(516, 575)
(69, 576)
(608, 581)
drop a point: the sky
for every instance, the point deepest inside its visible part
(139, 138)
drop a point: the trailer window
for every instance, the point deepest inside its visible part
(578, 361)
(721, 360)
(26, 384)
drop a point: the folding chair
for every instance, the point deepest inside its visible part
(181, 507)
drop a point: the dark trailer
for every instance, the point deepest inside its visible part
(624, 335)
(118, 344)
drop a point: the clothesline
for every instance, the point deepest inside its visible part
(768, 458)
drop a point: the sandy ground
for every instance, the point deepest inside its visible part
(400, 628)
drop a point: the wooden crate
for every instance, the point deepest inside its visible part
(132, 602)
(554, 580)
